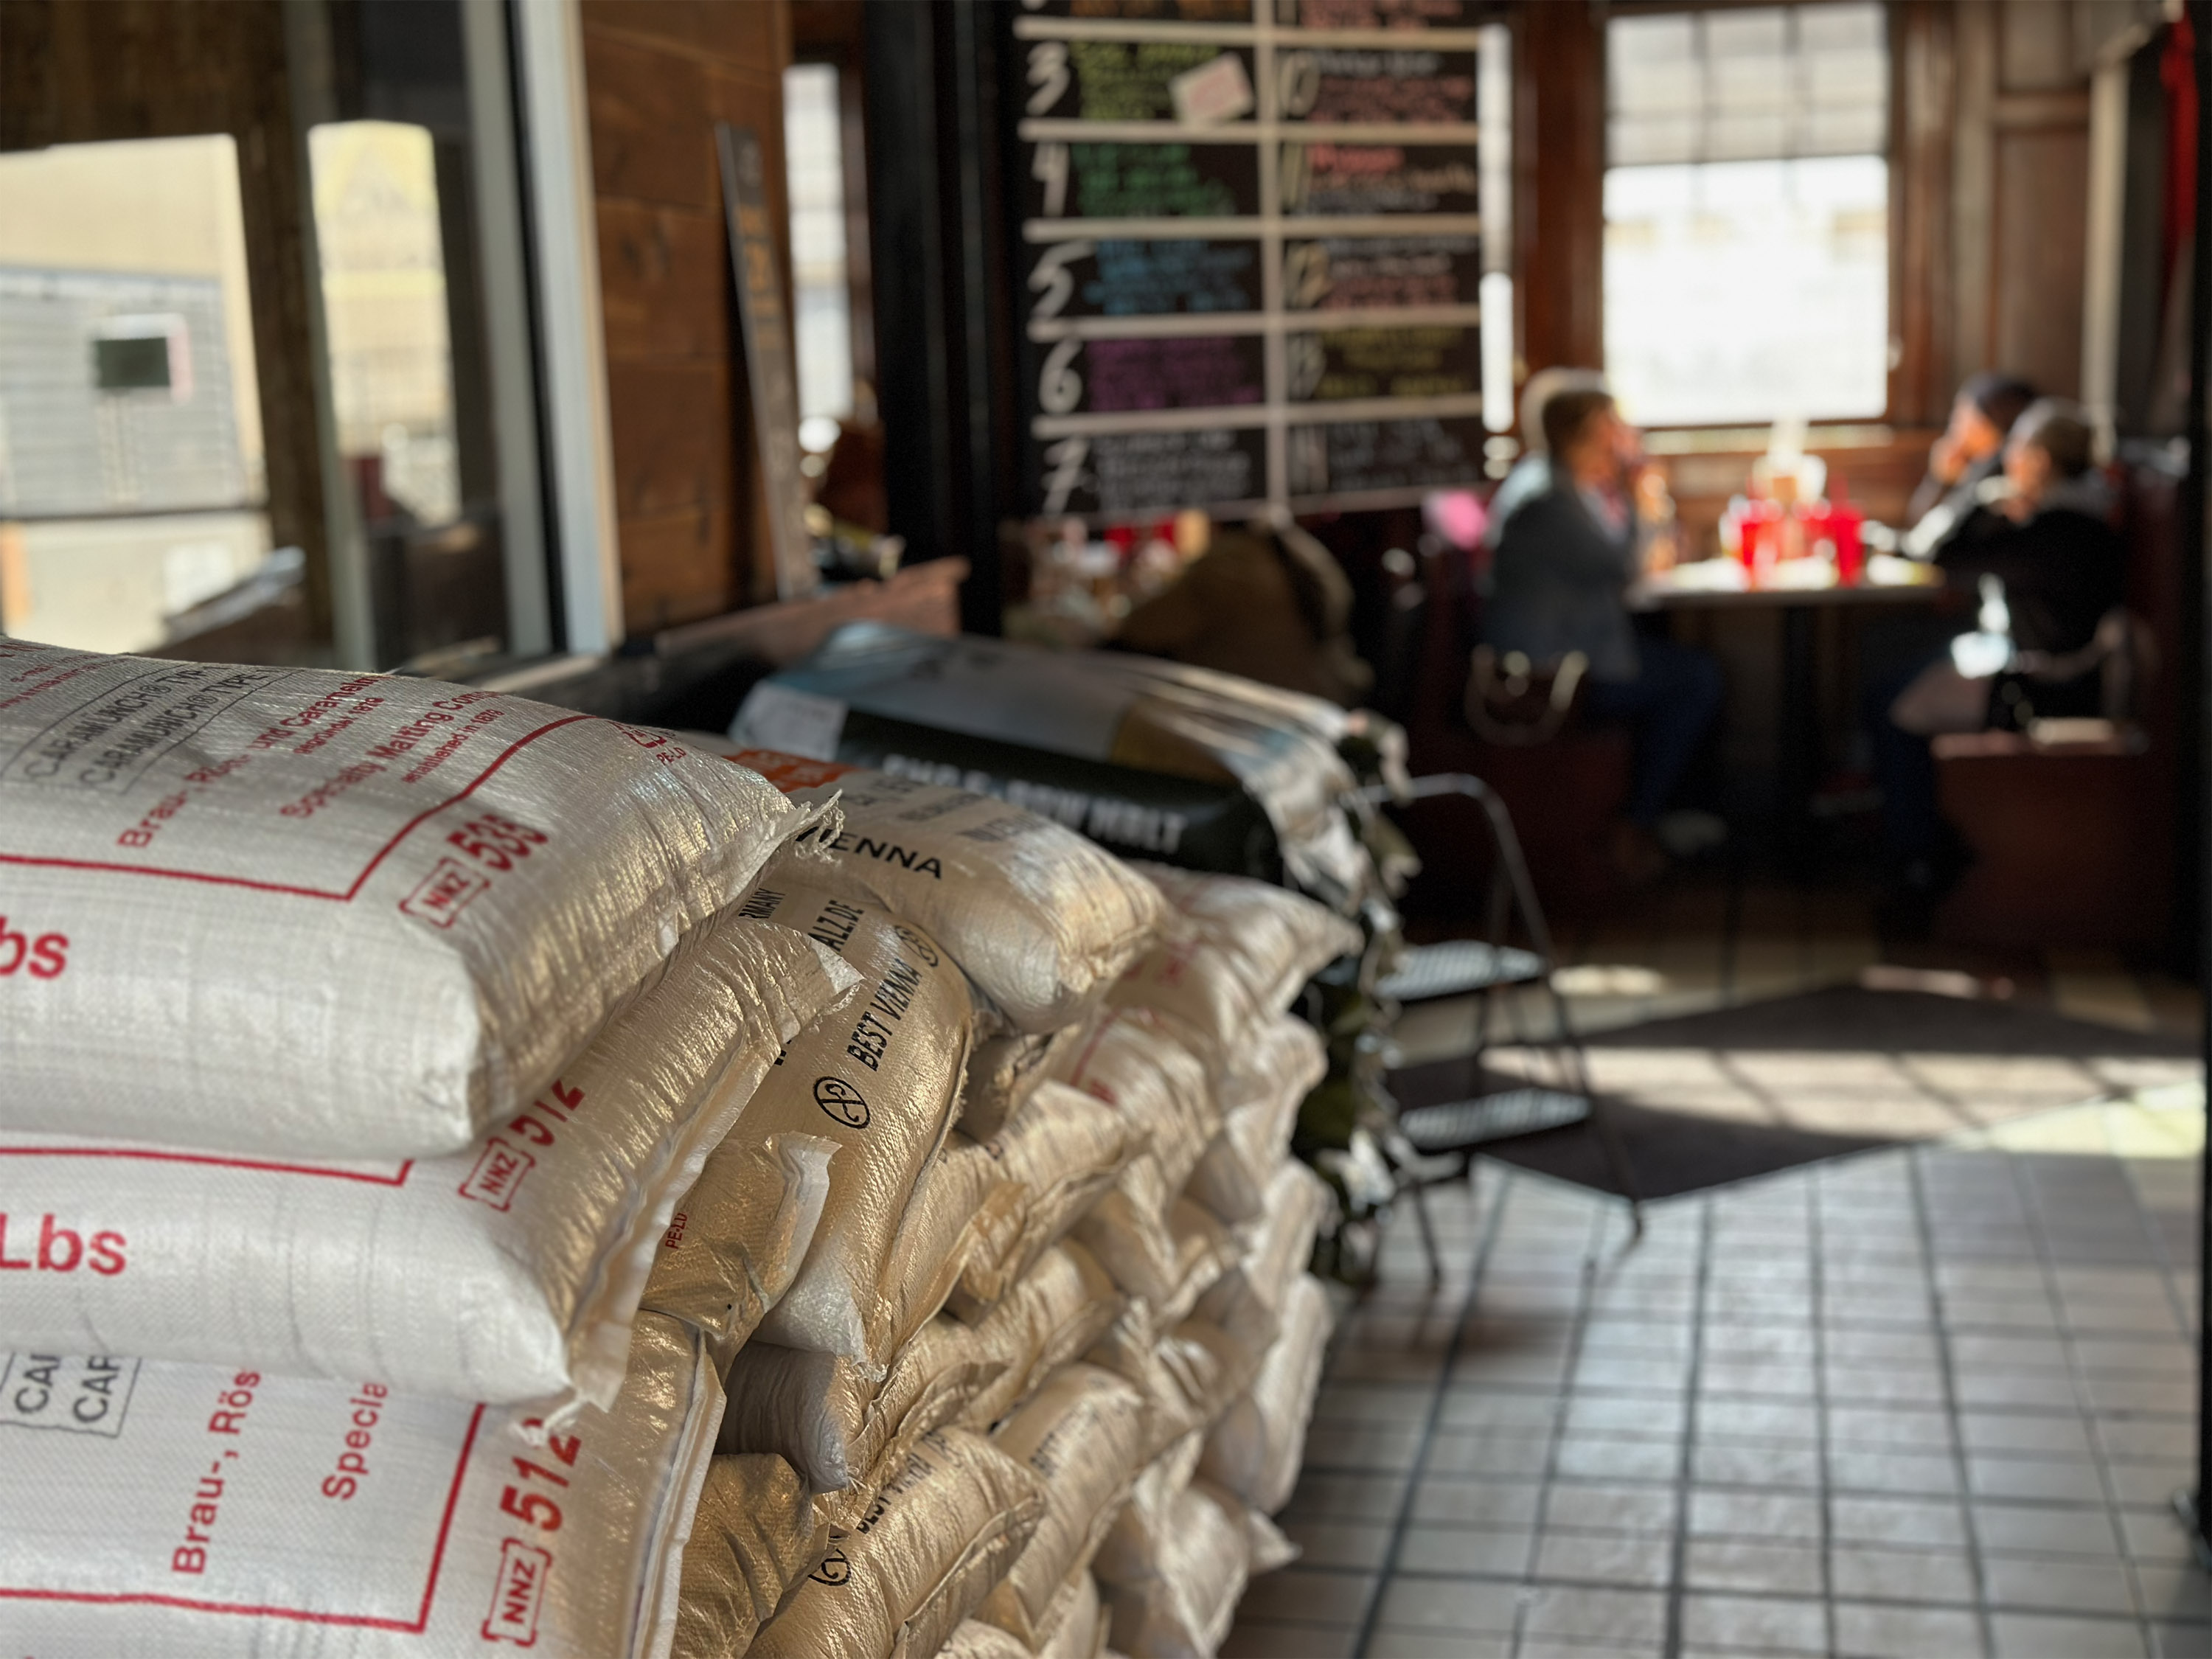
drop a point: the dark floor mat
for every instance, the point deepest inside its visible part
(1704, 1099)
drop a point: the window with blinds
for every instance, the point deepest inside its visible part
(1747, 209)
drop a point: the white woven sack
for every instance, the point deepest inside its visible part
(1058, 1310)
(933, 1545)
(837, 1428)
(1190, 1376)
(1062, 1150)
(1255, 1449)
(1043, 920)
(1172, 1568)
(1138, 1061)
(509, 1273)
(754, 1535)
(297, 913)
(879, 1077)
(1277, 1247)
(1258, 1121)
(174, 1511)
(1084, 1434)
(1169, 1265)
(1240, 952)
(1076, 1623)
(974, 1639)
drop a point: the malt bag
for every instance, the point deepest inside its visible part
(207, 1512)
(1084, 1434)
(936, 1540)
(754, 1535)
(292, 913)
(963, 1211)
(1259, 1113)
(1004, 1071)
(731, 1252)
(1062, 1150)
(1136, 1060)
(1236, 955)
(1174, 1563)
(1255, 1449)
(1055, 1312)
(977, 1640)
(508, 1273)
(1043, 920)
(1075, 1623)
(878, 1077)
(1169, 1265)
(1277, 1250)
(837, 1428)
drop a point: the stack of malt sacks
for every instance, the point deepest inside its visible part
(360, 1035)
(443, 1099)
(983, 934)
(1244, 1340)
(1116, 1153)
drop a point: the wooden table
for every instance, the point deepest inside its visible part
(1798, 733)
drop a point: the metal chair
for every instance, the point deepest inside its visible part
(1435, 1144)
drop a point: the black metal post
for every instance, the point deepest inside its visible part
(2193, 504)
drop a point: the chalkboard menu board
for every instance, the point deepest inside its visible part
(1250, 251)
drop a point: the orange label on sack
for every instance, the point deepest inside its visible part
(789, 772)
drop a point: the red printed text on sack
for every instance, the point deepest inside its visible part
(59, 1249)
(45, 956)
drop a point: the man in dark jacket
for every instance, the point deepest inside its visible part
(1557, 585)
(1948, 509)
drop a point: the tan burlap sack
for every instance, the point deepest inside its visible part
(931, 1547)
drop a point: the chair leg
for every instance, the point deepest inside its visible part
(1572, 1060)
(1419, 1194)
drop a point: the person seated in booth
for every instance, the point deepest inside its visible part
(1557, 585)
(1531, 475)
(1948, 510)
(2048, 570)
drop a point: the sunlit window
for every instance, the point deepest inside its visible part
(384, 302)
(131, 487)
(814, 153)
(1746, 214)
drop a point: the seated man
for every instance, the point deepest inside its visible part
(1947, 510)
(1557, 585)
(2058, 568)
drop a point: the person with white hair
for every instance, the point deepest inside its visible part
(2048, 572)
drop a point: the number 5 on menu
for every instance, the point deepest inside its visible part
(1052, 282)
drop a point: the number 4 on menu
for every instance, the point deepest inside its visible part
(1048, 167)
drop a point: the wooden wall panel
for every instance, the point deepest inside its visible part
(2038, 239)
(1558, 213)
(659, 74)
(2019, 120)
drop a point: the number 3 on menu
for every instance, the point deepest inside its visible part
(1048, 167)
(1048, 74)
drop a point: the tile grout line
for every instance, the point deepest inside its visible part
(1402, 1522)
(1816, 1237)
(2084, 1404)
(1563, 1403)
(1950, 1379)
(1685, 1465)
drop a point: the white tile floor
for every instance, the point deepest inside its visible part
(1930, 1401)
